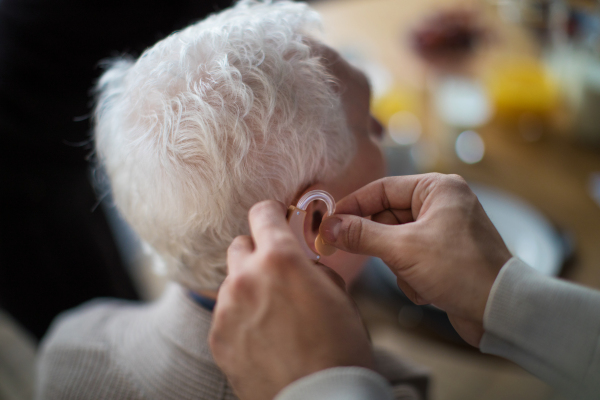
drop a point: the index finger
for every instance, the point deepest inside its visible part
(268, 222)
(394, 192)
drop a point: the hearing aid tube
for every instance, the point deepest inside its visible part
(297, 215)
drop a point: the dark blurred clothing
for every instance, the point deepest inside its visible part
(56, 250)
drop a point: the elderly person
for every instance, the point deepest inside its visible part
(241, 107)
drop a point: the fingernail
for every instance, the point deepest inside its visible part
(330, 229)
(323, 248)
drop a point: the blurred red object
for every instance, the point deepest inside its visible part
(449, 37)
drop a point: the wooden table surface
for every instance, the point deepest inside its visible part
(552, 174)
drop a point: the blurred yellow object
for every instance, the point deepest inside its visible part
(394, 101)
(522, 86)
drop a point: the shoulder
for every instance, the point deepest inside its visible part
(75, 359)
(84, 325)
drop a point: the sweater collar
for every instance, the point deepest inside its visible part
(183, 321)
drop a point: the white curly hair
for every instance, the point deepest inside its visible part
(232, 110)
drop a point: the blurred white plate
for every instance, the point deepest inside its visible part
(527, 233)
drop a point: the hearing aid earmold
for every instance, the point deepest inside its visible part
(296, 216)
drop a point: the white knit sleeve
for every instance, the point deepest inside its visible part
(341, 383)
(548, 326)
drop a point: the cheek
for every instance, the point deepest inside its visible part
(347, 265)
(370, 163)
(378, 160)
(367, 166)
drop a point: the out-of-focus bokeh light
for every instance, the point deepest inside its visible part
(522, 85)
(404, 128)
(509, 11)
(449, 37)
(470, 147)
(395, 100)
(462, 102)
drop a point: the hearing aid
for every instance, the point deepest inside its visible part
(296, 216)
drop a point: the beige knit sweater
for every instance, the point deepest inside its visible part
(112, 349)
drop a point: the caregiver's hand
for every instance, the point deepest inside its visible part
(433, 234)
(278, 316)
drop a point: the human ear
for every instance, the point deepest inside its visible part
(305, 219)
(314, 216)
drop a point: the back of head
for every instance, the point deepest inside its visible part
(232, 110)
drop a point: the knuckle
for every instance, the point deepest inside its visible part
(386, 179)
(457, 178)
(431, 181)
(264, 206)
(240, 284)
(261, 205)
(279, 245)
(278, 257)
(459, 182)
(436, 177)
(280, 239)
(460, 187)
(454, 183)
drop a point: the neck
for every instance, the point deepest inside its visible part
(205, 301)
(211, 294)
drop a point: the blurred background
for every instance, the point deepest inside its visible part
(504, 92)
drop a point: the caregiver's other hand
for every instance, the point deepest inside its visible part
(279, 317)
(433, 234)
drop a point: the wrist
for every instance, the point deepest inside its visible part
(487, 283)
(498, 282)
(468, 319)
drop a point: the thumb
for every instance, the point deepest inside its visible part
(359, 235)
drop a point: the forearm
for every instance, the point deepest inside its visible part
(548, 326)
